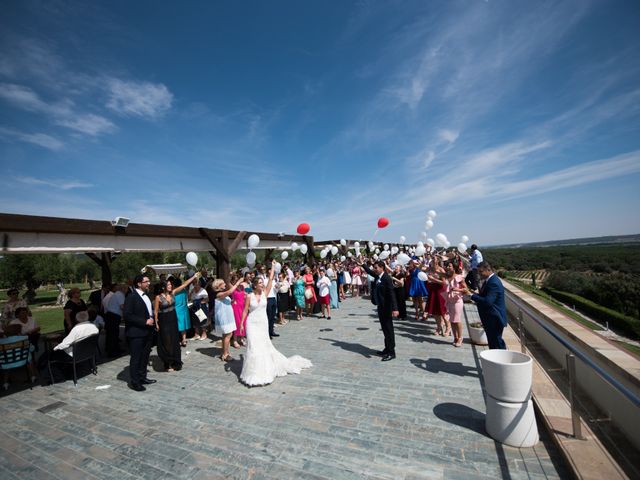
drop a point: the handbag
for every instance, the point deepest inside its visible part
(201, 315)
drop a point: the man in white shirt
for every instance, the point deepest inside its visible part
(272, 304)
(64, 350)
(113, 316)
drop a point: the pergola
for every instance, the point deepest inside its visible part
(102, 241)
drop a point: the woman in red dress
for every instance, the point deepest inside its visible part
(436, 305)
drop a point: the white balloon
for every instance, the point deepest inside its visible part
(294, 246)
(192, 258)
(441, 239)
(384, 255)
(375, 257)
(303, 249)
(464, 239)
(334, 250)
(284, 255)
(428, 224)
(386, 246)
(343, 258)
(357, 252)
(371, 245)
(420, 250)
(462, 247)
(251, 258)
(403, 259)
(377, 250)
(430, 242)
(422, 276)
(403, 239)
(323, 254)
(394, 250)
(431, 214)
(253, 241)
(356, 244)
(343, 242)
(277, 267)
(349, 254)
(419, 244)
(423, 235)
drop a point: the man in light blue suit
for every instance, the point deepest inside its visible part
(491, 306)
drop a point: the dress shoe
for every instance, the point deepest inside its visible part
(148, 381)
(388, 357)
(137, 387)
(274, 335)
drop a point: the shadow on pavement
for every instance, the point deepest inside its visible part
(352, 347)
(437, 365)
(461, 415)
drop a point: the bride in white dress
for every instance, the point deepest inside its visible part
(262, 362)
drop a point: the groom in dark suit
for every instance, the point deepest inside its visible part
(385, 296)
(139, 325)
(491, 306)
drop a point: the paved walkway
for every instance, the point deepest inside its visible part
(420, 416)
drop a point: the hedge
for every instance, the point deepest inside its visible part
(629, 325)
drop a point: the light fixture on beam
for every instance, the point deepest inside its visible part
(120, 224)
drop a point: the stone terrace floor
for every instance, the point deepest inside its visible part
(350, 416)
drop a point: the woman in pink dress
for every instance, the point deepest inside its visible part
(356, 281)
(238, 297)
(455, 286)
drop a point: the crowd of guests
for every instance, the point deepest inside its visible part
(202, 306)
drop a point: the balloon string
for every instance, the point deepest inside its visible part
(376, 232)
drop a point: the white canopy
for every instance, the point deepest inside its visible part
(168, 268)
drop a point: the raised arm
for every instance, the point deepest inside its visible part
(185, 284)
(271, 273)
(229, 291)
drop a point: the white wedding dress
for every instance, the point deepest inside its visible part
(262, 362)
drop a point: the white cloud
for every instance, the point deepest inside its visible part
(141, 99)
(61, 112)
(54, 183)
(88, 124)
(449, 136)
(40, 139)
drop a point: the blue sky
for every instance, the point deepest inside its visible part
(515, 121)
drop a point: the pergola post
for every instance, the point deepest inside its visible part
(104, 262)
(311, 254)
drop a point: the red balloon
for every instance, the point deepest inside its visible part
(303, 228)
(383, 222)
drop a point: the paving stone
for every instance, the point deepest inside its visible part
(420, 416)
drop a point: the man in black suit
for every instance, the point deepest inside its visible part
(139, 324)
(96, 297)
(385, 296)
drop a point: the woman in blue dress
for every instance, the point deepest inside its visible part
(182, 310)
(333, 289)
(417, 290)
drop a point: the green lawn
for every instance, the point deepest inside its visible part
(49, 317)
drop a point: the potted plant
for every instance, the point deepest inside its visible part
(477, 334)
